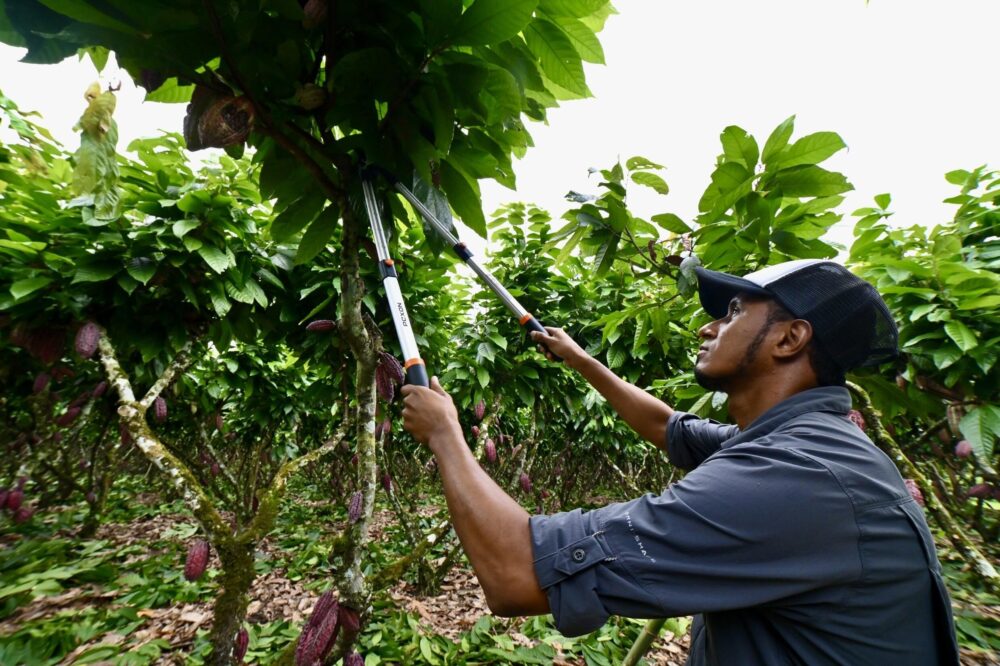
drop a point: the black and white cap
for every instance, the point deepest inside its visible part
(849, 318)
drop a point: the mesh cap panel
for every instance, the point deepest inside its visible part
(850, 320)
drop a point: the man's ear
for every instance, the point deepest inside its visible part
(795, 337)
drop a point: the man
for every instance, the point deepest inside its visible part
(793, 537)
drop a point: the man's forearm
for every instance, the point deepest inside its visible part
(493, 529)
(644, 413)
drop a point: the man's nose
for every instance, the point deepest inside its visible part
(708, 330)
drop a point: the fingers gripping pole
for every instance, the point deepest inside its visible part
(416, 373)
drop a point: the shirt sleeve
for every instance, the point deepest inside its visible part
(737, 532)
(691, 439)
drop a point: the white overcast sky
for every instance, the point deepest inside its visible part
(909, 84)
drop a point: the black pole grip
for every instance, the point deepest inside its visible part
(533, 324)
(416, 375)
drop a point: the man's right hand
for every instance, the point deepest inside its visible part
(558, 342)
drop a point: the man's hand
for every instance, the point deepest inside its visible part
(429, 413)
(558, 342)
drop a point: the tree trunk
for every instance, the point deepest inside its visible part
(230, 608)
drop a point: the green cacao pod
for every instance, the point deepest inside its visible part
(309, 97)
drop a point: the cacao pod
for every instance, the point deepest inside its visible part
(309, 97)
(215, 469)
(544, 493)
(354, 508)
(314, 13)
(525, 481)
(99, 390)
(160, 409)
(240, 645)
(68, 417)
(41, 381)
(979, 490)
(480, 410)
(226, 122)
(61, 372)
(857, 418)
(91, 497)
(23, 515)
(491, 450)
(46, 345)
(354, 659)
(80, 400)
(354, 459)
(386, 482)
(125, 434)
(86, 339)
(392, 367)
(915, 492)
(963, 449)
(197, 559)
(475, 431)
(14, 499)
(318, 631)
(350, 621)
(321, 325)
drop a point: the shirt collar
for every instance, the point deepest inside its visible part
(834, 399)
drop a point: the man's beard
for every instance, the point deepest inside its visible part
(723, 383)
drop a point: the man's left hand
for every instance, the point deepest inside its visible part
(429, 413)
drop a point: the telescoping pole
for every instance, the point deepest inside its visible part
(416, 372)
(524, 317)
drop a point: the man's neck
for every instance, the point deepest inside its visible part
(747, 403)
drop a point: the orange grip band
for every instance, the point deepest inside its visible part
(388, 262)
(413, 361)
(525, 319)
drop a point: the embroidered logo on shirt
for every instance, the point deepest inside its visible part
(638, 541)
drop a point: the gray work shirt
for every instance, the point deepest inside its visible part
(795, 539)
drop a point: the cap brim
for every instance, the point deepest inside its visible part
(716, 289)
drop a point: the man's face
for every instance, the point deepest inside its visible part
(730, 346)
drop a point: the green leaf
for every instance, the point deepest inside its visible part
(557, 56)
(463, 195)
(214, 257)
(584, 40)
(671, 222)
(810, 149)
(22, 288)
(981, 427)
(296, 217)
(639, 163)
(963, 336)
(605, 256)
(182, 227)
(811, 181)
(739, 146)
(650, 180)
(85, 12)
(778, 140)
(492, 21)
(171, 92)
(317, 235)
(97, 271)
(141, 268)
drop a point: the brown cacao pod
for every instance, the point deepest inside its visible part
(480, 410)
(86, 339)
(354, 659)
(226, 122)
(915, 492)
(99, 390)
(857, 418)
(963, 449)
(491, 450)
(23, 515)
(525, 482)
(160, 409)
(354, 508)
(41, 382)
(197, 559)
(240, 645)
(68, 417)
(314, 13)
(321, 325)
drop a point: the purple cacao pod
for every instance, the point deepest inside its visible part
(544, 493)
(61, 372)
(979, 490)
(80, 400)
(320, 325)
(41, 382)
(915, 492)
(354, 509)
(475, 431)
(383, 428)
(99, 390)
(240, 645)
(14, 499)
(525, 482)
(480, 410)
(354, 659)
(354, 459)
(856, 418)
(491, 450)
(963, 449)
(86, 339)
(392, 367)
(68, 417)
(350, 621)
(91, 497)
(197, 560)
(23, 515)
(215, 469)
(386, 482)
(160, 409)
(319, 630)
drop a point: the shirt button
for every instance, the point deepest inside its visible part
(579, 555)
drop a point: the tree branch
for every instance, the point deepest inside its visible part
(177, 366)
